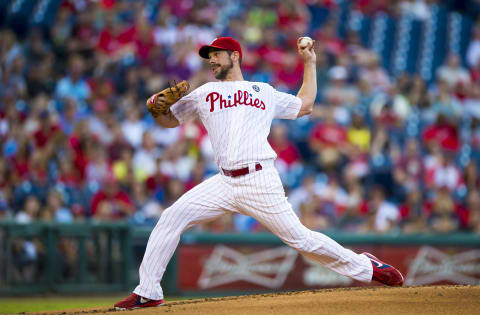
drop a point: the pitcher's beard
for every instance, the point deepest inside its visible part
(222, 75)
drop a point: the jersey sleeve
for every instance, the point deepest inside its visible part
(185, 109)
(287, 105)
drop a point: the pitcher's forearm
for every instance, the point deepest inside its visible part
(308, 90)
(167, 120)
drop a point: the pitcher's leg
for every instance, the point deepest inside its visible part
(196, 206)
(263, 197)
(317, 246)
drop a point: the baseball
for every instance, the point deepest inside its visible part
(305, 42)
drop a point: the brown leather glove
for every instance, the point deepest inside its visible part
(160, 102)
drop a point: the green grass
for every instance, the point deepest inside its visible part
(55, 303)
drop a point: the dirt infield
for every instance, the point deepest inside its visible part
(372, 300)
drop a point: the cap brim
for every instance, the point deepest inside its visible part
(204, 50)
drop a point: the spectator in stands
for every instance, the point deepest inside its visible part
(73, 85)
(452, 72)
(115, 40)
(288, 77)
(381, 154)
(358, 134)
(329, 40)
(175, 163)
(61, 31)
(473, 50)
(474, 140)
(56, 209)
(111, 203)
(444, 104)
(133, 128)
(304, 193)
(48, 130)
(409, 169)
(173, 190)
(145, 159)
(317, 215)
(443, 133)
(473, 206)
(338, 91)
(328, 141)
(10, 46)
(418, 95)
(147, 209)
(470, 176)
(30, 212)
(98, 167)
(68, 176)
(355, 191)
(84, 37)
(198, 173)
(14, 80)
(446, 174)
(375, 74)
(5, 213)
(443, 216)
(288, 154)
(412, 212)
(69, 116)
(381, 215)
(122, 166)
(333, 200)
(36, 47)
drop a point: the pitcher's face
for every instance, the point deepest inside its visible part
(221, 63)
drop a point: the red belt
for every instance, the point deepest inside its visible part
(241, 171)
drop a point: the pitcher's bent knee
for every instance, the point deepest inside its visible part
(170, 221)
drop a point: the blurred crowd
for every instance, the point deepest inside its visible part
(380, 153)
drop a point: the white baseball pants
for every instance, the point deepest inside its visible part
(260, 195)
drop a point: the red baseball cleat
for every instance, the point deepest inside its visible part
(134, 301)
(384, 273)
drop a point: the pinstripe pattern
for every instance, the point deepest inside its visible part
(239, 133)
(239, 138)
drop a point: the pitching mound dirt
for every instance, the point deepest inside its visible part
(372, 300)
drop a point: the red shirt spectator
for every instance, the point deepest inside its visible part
(118, 202)
(409, 169)
(443, 173)
(113, 37)
(443, 133)
(285, 149)
(274, 55)
(46, 131)
(78, 142)
(328, 38)
(291, 73)
(329, 134)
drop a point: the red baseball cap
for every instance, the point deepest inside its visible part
(224, 43)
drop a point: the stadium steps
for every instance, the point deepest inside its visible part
(459, 34)
(45, 13)
(319, 16)
(381, 41)
(344, 8)
(361, 24)
(18, 12)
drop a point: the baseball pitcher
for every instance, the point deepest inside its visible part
(237, 115)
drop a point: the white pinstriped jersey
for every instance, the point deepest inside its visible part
(237, 116)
